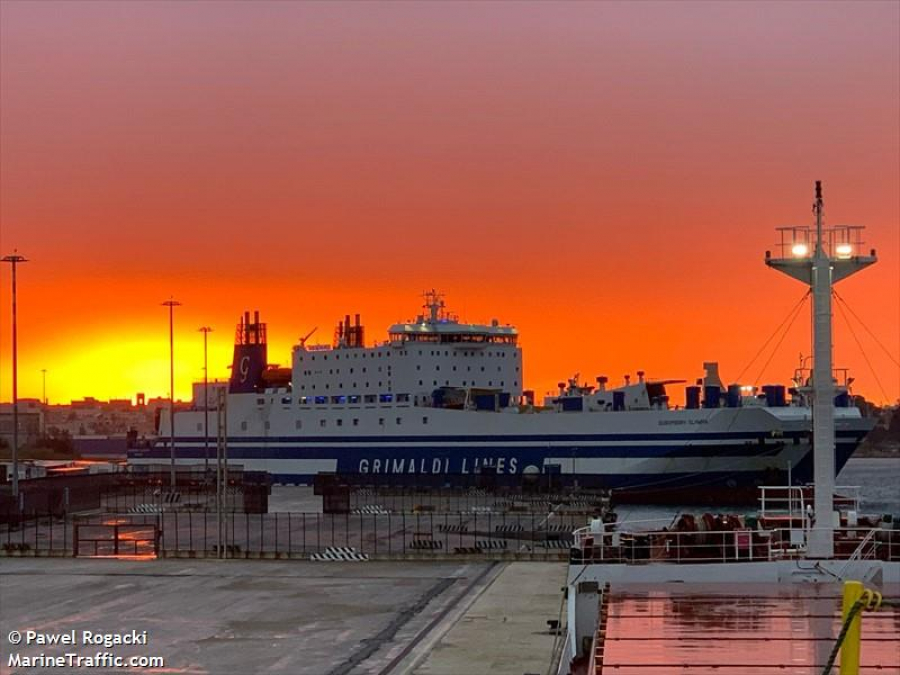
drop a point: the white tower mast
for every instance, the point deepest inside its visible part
(834, 256)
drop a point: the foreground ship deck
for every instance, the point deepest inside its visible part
(751, 629)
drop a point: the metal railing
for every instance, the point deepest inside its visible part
(595, 545)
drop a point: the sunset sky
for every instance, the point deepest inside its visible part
(605, 176)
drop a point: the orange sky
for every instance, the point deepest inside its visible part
(605, 176)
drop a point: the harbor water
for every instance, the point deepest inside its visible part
(878, 479)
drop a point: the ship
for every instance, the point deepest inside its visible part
(441, 402)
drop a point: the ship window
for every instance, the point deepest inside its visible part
(490, 383)
(420, 383)
(515, 384)
(370, 398)
(502, 384)
(468, 368)
(321, 399)
(447, 382)
(355, 422)
(499, 369)
(260, 401)
(364, 369)
(268, 426)
(381, 421)
(199, 426)
(325, 357)
(454, 369)
(326, 386)
(339, 400)
(435, 383)
(464, 383)
(298, 424)
(353, 398)
(386, 398)
(321, 423)
(418, 367)
(313, 358)
(399, 420)
(420, 352)
(402, 398)
(482, 369)
(437, 367)
(424, 420)
(351, 370)
(340, 422)
(244, 425)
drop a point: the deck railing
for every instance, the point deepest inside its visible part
(595, 544)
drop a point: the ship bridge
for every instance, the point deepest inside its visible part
(436, 324)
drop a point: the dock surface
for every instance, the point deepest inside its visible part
(291, 617)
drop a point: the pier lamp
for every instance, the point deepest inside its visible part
(171, 304)
(13, 261)
(206, 330)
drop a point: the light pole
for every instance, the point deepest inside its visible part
(14, 260)
(206, 330)
(171, 304)
(44, 399)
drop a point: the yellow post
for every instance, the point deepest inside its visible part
(853, 591)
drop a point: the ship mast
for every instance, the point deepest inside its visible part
(834, 256)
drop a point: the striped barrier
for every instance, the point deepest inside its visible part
(344, 553)
(371, 510)
(426, 545)
(492, 544)
(147, 509)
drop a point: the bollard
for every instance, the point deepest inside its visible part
(853, 591)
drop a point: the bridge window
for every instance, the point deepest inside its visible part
(321, 423)
(424, 420)
(399, 420)
(340, 422)
(355, 422)
(244, 425)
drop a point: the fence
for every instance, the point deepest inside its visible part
(428, 535)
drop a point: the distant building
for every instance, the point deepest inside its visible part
(31, 421)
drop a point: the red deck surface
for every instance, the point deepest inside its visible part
(716, 629)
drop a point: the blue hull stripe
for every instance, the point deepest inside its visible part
(533, 438)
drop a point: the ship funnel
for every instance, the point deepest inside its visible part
(250, 355)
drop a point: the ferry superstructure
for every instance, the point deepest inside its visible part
(442, 400)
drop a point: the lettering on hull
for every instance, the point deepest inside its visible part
(438, 465)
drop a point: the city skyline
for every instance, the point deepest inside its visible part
(606, 177)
